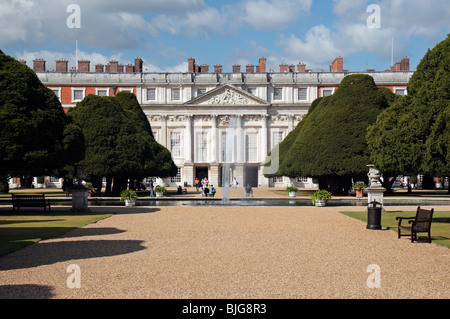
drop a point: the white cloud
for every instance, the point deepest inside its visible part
(270, 15)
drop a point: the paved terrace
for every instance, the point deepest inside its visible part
(227, 252)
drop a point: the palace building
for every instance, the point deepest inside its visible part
(191, 113)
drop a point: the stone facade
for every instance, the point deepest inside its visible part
(190, 113)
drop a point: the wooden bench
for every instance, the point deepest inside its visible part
(421, 223)
(29, 201)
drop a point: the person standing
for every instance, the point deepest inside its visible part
(235, 183)
(151, 188)
(197, 183)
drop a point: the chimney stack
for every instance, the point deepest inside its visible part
(23, 61)
(83, 66)
(250, 68)
(204, 68)
(283, 67)
(301, 67)
(129, 68)
(120, 68)
(99, 68)
(113, 66)
(138, 65)
(62, 65)
(404, 64)
(191, 65)
(262, 65)
(218, 68)
(39, 65)
(338, 65)
(236, 68)
(291, 68)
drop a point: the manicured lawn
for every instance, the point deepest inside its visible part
(17, 232)
(440, 228)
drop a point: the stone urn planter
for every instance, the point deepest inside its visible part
(320, 197)
(129, 197)
(292, 191)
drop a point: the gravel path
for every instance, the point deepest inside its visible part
(228, 252)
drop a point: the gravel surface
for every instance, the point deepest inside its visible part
(228, 252)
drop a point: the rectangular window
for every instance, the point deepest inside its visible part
(151, 94)
(57, 93)
(175, 94)
(277, 179)
(303, 94)
(53, 179)
(102, 92)
(327, 92)
(251, 147)
(77, 95)
(223, 148)
(400, 92)
(278, 94)
(201, 91)
(302, 179)
(176, 178)
(175, 144)
(202, 147)
(277, 138)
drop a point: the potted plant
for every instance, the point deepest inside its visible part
(160, 190)
(129, 196)
(359, 187)
(320, 197)
(292, 190)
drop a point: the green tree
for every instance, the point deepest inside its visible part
(412, 136)
(330, 142)
(36, 137)
(119, 142)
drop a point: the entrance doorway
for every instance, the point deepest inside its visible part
(201, 172)
(251, 176)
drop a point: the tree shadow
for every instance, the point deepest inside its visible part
(26, 292)
(52, 252)
(80, 232)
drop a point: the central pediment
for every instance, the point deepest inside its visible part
(227, 95)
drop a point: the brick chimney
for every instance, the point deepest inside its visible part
(62, 65)
(291, 68)
(191, 65)
(301, 67)
(23, 61)
(338, 65)
(283, 67)
(129, 68)
(108, 68)
(83, 66)
(113, 66)
(99, 68)
(236, 68)
(39, 65)
(218, 68)
(120, 68)
(204, 68)
(138, 65)
(262, 65)
(250, 68)
(404, 64)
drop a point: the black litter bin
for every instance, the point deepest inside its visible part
(374, 215)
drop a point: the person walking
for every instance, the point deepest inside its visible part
(235, 183)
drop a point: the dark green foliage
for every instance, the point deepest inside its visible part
(34, 129)
(412, 136)
(119, 141)
(330, 142)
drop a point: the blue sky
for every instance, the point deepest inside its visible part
(165, 33)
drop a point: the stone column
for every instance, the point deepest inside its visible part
(264, 139)
(239, 140)
(164, 130)
(214, 139)
(188, 140)
(290, 123)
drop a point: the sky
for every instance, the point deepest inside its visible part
(165, 33)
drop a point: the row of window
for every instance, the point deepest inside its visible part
(277, 93)
(251, 146)
(78, 94)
